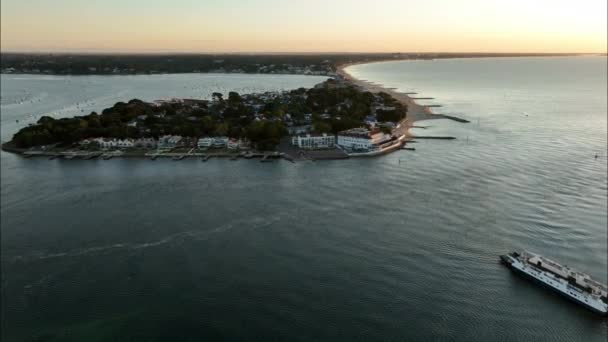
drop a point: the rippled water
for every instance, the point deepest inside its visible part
(401, 247)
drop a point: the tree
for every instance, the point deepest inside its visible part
(234, 99)
(217, 97)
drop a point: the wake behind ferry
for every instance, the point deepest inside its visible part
(576, 286)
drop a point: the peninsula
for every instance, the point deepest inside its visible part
(339, 118)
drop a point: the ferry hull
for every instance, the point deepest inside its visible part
(554, 290)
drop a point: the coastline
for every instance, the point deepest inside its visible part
(416, 111)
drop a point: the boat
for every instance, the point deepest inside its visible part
(576, 286)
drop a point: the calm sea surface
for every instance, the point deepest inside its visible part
(401, 247)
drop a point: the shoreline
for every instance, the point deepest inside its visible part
(416, 112)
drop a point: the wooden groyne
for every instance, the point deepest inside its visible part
(435, 137)
(455, 118)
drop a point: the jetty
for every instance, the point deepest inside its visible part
(434, 137)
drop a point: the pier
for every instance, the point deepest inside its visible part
(435, 138)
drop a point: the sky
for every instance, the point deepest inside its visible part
(304, 26)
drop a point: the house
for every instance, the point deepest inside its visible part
(169, 141)
(244, 144)
(106, 143)
(145, 143)
(301, 129)
(220, 142)
(86, 142)
(233, 144)
(361, 139)
(313, 142)
(204, 143)
(132, 123)
(125, 143)
(371, 121)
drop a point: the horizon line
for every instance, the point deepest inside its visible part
(92, 52)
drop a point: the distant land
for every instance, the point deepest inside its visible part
(132, 64)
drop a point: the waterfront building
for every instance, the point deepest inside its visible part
(361, 139)
(371, 121)
(204, 143)
(106, 143)
(169, 141)
(220, 142)
(145, 143)
(125, 143)
(233, 144)
(312, 142)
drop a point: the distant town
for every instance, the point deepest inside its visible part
(332, 120)
(319, 64)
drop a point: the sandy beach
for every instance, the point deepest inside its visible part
(416, 112)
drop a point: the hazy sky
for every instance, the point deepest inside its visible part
(304, 25)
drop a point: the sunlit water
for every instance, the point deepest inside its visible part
(401, 247)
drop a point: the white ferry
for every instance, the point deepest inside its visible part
(576, 286)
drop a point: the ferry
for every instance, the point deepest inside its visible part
(574, 285)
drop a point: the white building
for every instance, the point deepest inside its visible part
(204, 143)
(125, 143)
(145, 143)
(114, 143)
(311, 142)
(233, 144)
(220, 142)
(169, 141)
(301, 129)
(361, 139)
